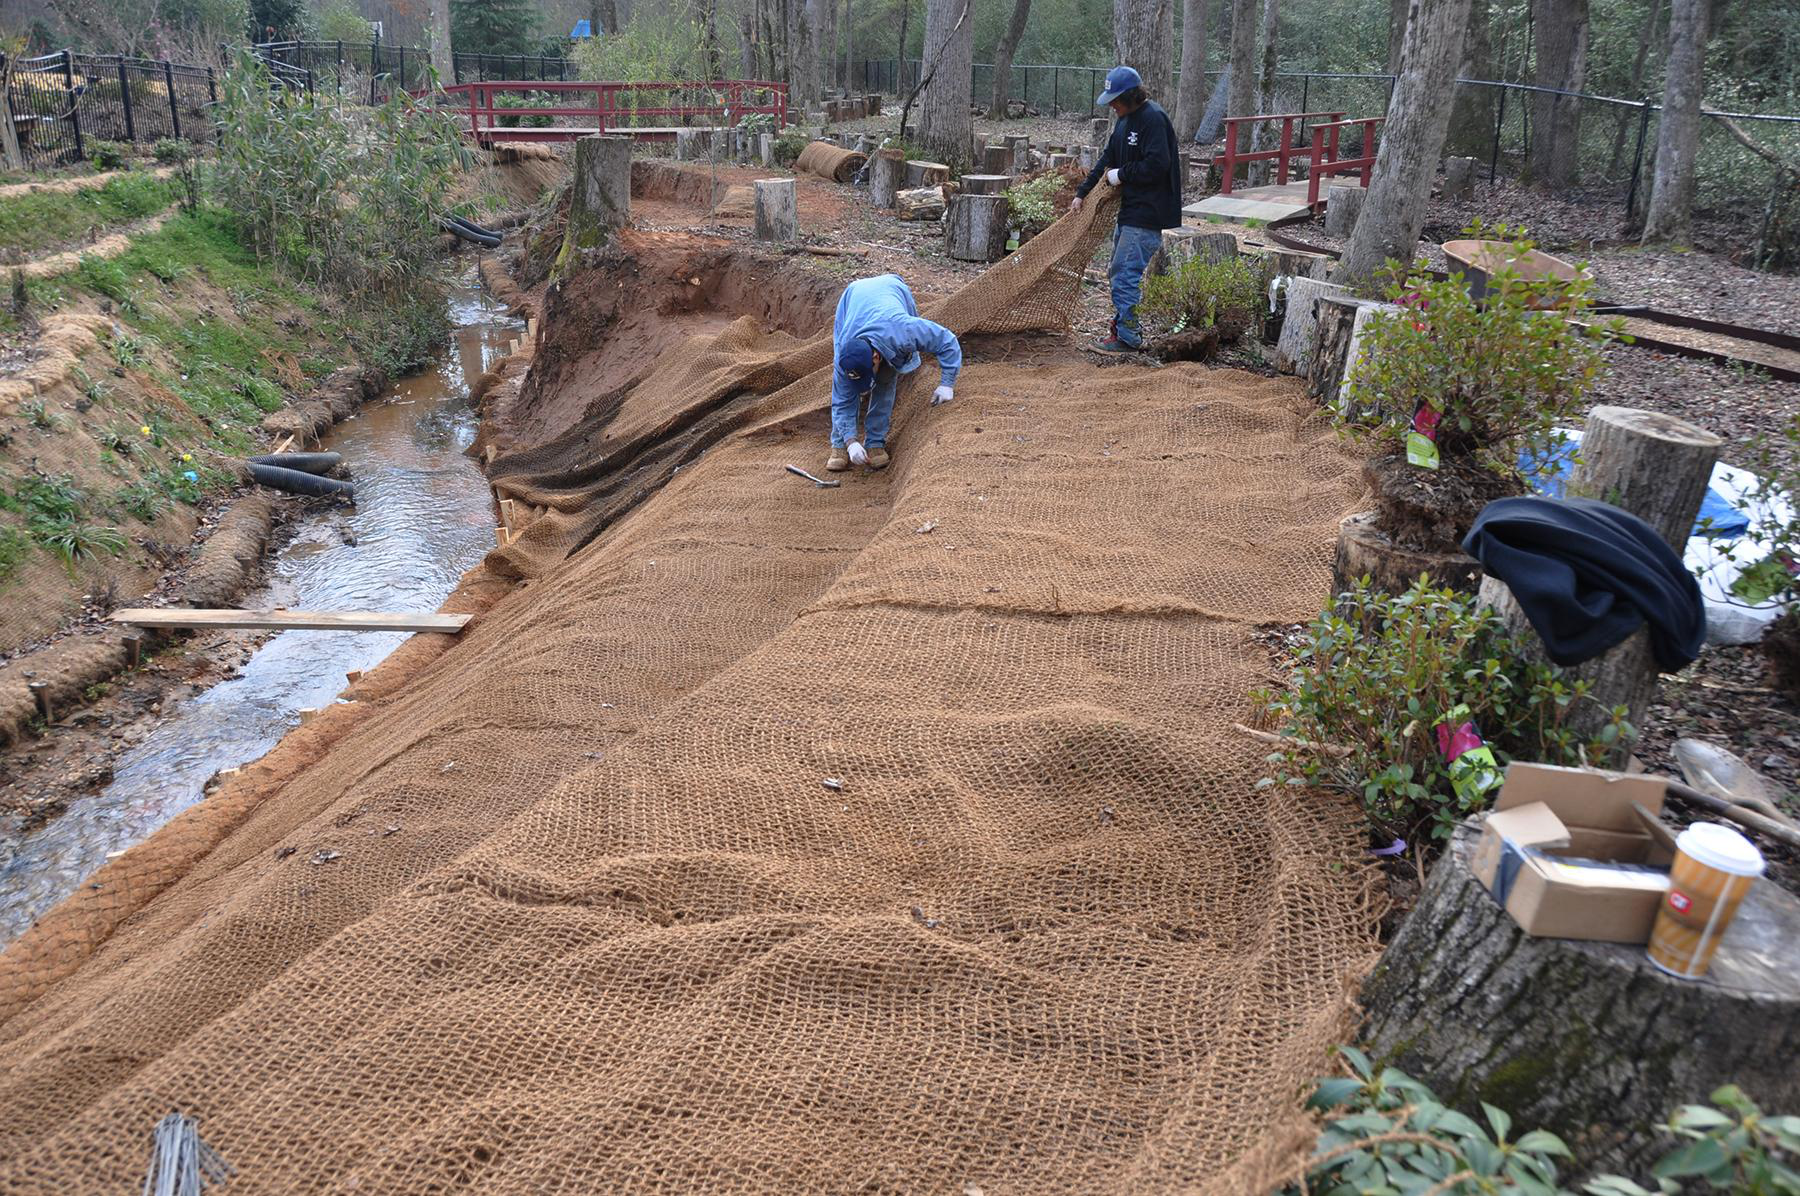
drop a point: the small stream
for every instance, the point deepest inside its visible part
(422, 517)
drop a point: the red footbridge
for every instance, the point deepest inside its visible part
(547, 110)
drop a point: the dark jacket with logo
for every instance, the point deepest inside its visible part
(1142, 146)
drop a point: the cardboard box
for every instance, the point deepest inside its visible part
(1566, 856)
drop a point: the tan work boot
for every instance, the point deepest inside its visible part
(878, 458)
(838, 462)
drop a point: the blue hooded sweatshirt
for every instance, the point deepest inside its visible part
(881, 311)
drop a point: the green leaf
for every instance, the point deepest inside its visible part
(1698, 1117)
(1615, 1185)
(1544, 1142)
(1333, 1092)
(1699, 1157)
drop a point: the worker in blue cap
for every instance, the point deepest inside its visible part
(1141, 160)
(877, 336)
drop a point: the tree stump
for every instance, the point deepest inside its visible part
(765, 148)
(1341, 320)
(923, 203)
(887, 170)
(1099, 129)
(1342, 206)
(1459, 179)
(975, 228)
(1588, 1040)
(1300, 328)
(1657, 467)
(996, 159)
(1058, 161)
(986, 184)
(1019, 146)
(924, 174)
(599, 198)
(777, 210)
(1089, 156)
(872, 104)
(1183, 244)
(1296, 263)
(1363, 551)
(687, 143)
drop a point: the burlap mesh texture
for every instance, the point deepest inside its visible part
(1048, 937)
(828, 161)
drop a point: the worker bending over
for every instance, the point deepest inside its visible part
(1142, 161)
(877, 336)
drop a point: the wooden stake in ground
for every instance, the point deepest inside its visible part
(1656, 467)
(975, 228)
(777, 210)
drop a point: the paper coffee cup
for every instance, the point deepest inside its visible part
(1714, 867)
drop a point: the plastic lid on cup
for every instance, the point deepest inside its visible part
(1718, 846)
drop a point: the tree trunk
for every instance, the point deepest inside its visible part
(802, 53)
(1587, 1040)
(1678, 132)
(944, 123)
(1144, 39)
(709, 32)
(441, 59)
(1190, 87)
(599, 197)
(849, 47)
(1398, 13)
(1472, 120)
(1627, 116)
(604, 16)
(1562, 46)
(828, 20)
(1411, 141)
(1262, 137)
(887, 173)
(777, 216)
(1241, 94)
(1300, 326)
(1003, 56)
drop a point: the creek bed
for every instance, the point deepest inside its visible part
(422, 517)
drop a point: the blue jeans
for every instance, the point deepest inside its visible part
(1132, 250)
(881, 410)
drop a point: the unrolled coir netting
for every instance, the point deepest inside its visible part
(570, 905)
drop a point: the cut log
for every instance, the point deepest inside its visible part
(1657, 467)
(1058, 160)
(924, 174)
(777, 210)
(975, 228)
(1186, 244)
(1300, 327)
(1343, 204)
(1295, 263)
(985, 184)
(1588, 1040)
(1019, 146)
(996, 159)
(1338, 317)
(1099, 129)
(765, 148)
(1363, 551)
(887, 172)
(1459, 179)
(923, 203)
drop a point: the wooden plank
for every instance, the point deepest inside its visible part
(292, 620)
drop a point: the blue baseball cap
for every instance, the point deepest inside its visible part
(1119, 80)
(856, 364)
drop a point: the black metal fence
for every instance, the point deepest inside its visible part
(62, 102)
(378, 67)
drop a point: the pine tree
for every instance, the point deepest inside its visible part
(494, 26)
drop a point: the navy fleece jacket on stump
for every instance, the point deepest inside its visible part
(1587, 575)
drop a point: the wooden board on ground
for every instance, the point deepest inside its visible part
(293, 620)
(1274, 202)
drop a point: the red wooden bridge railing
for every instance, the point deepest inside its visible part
(1287, 152)
(610, 107)
(1325, 161)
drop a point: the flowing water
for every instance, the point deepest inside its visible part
(422, 517)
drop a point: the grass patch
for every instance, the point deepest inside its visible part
(14, 547)
(39, 221)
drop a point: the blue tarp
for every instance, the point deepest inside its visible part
(1728, 523)
(582, 29)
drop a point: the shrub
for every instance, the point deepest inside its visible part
(757, 123)
(1500, 374)
(40, 415)
(75, 542)
(789, 145)
(1194, 293)
(1373, 680)
(340, 22)
(1031, 204)
(50, 496)
(108, 155)
(1733, 1147)
(143, 501)
(169, 150)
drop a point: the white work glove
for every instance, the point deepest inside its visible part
(1112, 176)
(858, 454)
(1075, 204)
(942, 394)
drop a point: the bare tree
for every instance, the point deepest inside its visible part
(802, 53)
(1240, 99)
(1144, 39)
(1678, 132)
(828, 21)
(1190, 87)
(1003, 56)
(849, 82)
(1398, 11)
(1412, 139)
(1472, 121)
(1265, 83)
(1647, 37)
(441, 60)
(947, 85)
(1561, 29)
(603, 16)
(747, 45)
